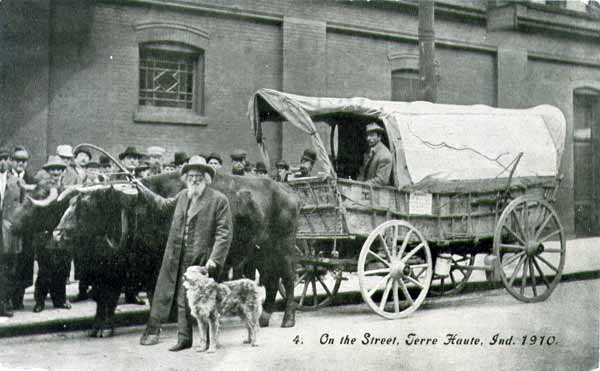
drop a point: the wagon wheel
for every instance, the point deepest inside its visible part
(396, 258)
(319, 284)
(529, 245)
(457, 278)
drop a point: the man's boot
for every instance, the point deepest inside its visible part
(151, 333)
(4, 311)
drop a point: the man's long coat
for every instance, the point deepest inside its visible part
(377, 166)
(211, 231)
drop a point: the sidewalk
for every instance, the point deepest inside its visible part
(582, 262)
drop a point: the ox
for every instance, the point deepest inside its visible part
(264, 214)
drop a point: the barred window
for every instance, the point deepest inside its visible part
(405, 85)
(171, 76)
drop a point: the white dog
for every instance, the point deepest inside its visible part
(208, 300)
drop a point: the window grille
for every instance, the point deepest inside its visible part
(167, 79)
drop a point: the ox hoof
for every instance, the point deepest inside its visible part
(289, 320)
(149, 339)
(264, 318)
(106, 333)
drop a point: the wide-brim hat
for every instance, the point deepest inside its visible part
(238, 155)
(309, 155)
(155, 151)
(374, 127)
(198, 162)
(132, 152)
(4, 153)
(54, 162)
(82, 150)
(64, 150)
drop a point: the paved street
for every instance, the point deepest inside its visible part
(567, 321)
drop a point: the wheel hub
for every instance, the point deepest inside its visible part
(534, 248)
(399, 270)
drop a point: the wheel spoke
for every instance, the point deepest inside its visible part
(314, 288)
(532, 274)
(302, 277)
(377, 271)
(452, 279)
(396, 299)
(380, 258)
(412, 252)
(324, 286)
(548, 263)
(515, 235)
(553, 250)
(542, 240)
(516, 271)
(542, 226)
(386, 292)
(524, 278)
(385, 246)
(512, 259)
(525, 219)
(405, 242)
(304, 291)
(519, 226)
(374, 289)
(416, 282)
(543, 277)
(405, 292)
(423, 270)
(395, 240)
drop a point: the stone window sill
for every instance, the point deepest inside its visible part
(168, 115)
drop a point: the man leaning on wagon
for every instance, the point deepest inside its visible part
(200, 234)
(377, 165)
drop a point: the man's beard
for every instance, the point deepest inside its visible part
(195, 190)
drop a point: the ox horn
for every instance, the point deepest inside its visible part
(47, 201)
(67, 192)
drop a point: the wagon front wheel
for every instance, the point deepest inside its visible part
(394, 269)
(530, 247)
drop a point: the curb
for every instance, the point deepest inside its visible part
(140, 317)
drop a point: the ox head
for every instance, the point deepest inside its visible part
(40, 210)
(98, 211)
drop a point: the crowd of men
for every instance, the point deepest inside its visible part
(68, 168)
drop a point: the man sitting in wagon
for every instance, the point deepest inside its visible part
(377, 165)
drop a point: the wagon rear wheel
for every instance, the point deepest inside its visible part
(395, 258)
(530, 247)
(456, 279)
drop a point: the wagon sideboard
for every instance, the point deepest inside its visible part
(445, 212)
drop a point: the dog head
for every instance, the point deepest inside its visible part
(195, 275)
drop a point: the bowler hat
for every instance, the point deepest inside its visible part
(54, 162)
(261, 168)
(131, 152)
(64, 150)
(104, 161)
(82, 150)
(198, 162)
(20, 153)
(238, 155)
(282, 165)
(215, 156)
(180, 158)
(309, 155)
(4, 153)
(374, 127)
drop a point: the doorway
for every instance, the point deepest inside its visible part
(586, 156)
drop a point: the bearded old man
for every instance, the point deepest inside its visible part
(200, 234)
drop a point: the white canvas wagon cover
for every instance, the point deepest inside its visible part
(436, 141)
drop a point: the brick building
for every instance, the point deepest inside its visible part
(74, 71)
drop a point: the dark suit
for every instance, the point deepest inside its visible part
(209, 235)
(24, 261)
(377, 166)
(10, 247)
